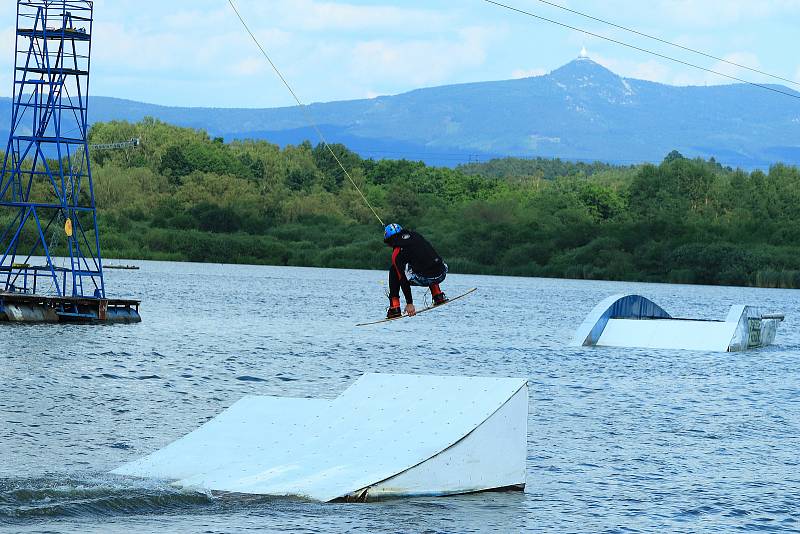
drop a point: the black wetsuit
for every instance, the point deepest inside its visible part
(410, 248)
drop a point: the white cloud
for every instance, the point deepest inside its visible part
(664, 71)
(120, 48)
(7, 46)
(419, 62)
(7, 37)
(691, 76)
(527, 73)
(656, 16)
(716, 13)
(249, 66)
(316, 16)
(114, 44)
(326, 49)
(194, 19)
(651, 70)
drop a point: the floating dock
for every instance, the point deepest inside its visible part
(123, 267)
(634, 321)
(23, 308)
(385, 436)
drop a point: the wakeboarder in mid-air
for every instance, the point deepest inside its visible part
(414, 263)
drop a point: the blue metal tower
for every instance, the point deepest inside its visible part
(47, 205)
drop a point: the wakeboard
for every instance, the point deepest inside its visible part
(423, 310)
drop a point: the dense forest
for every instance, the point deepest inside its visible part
(182, 195)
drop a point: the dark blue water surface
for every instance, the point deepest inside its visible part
(619, 440)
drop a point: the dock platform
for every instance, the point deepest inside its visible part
(30, 308)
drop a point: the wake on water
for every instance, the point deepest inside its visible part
(105, 495)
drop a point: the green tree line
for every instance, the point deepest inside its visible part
(182, 195)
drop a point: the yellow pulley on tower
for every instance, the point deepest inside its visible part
(68, 227)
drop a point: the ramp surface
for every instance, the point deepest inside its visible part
(668, 334)
(629, 320)
(381, 426)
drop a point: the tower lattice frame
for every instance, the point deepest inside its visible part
(47, 204)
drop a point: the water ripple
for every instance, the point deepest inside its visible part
(619, 440)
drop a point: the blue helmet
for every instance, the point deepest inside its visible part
(392, 229)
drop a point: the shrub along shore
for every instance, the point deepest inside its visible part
(184, 196)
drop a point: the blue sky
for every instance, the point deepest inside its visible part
(195, 52)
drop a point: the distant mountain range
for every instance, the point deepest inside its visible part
(581, 111)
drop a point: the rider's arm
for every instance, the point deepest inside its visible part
(406, 287)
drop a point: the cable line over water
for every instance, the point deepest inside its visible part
(302, 106)
(664, 41)
(640, 49)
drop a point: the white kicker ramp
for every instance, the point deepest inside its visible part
(386, 435)
(635, 321)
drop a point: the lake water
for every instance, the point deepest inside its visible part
(619, 440)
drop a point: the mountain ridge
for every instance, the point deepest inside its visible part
(579, 111)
